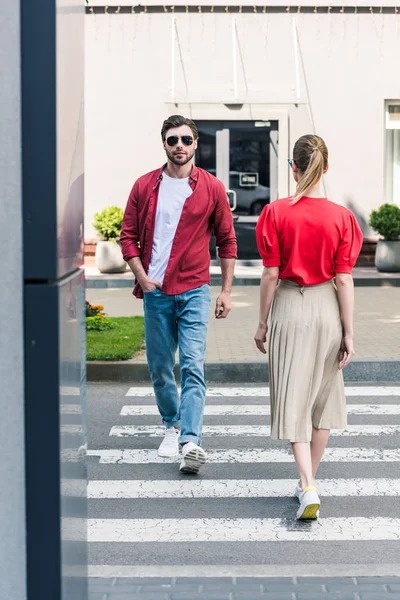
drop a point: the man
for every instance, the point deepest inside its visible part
(165, 240)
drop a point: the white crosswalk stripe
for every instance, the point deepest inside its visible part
(240, 530)
(360, 466)
(258, 409)
(249, 430)
(235, 488)
(237, 455)
(260, 392)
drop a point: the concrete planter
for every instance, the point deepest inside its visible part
(387, 257)
(109, 258)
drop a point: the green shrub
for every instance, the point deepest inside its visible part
(108, 222)
(99, 323)
(386, 221)
(96, 319)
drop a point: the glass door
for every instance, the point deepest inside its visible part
(244, 156)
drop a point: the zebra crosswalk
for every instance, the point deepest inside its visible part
(143, 512)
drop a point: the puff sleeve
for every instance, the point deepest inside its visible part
(349, 246)
(267, 238)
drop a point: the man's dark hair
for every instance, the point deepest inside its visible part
(178, 121)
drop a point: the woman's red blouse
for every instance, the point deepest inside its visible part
(309, 241)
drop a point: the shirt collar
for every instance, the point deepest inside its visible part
(194, 175)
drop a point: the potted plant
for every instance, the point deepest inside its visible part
(386, 221)
(108, 223)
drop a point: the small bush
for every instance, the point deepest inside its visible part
(99, 323)
(386, 221)
(108, 223)
(96, 320)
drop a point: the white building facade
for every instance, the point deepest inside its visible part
(264, 75)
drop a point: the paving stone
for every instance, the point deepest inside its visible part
(278, 596)
(366, 587)
(267, 580)
(189, 596)
(123, 589)
(325, 580)
(252, 586)
(203, 580)
(379, 596)
(249, 596)
(100, 581)
(105, 588)
(211, 581)
(144, 581)
(185, 587)
(139, 596)
(293, 587)
(232, 587)
(369, 587)
(326, 596)
(343, 587)
(164, 587)
(208, 596)
(218, 587)
(382, 580)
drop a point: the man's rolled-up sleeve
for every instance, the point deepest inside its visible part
(223, 226)
(129, 238)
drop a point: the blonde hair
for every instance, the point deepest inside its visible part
(310, 155)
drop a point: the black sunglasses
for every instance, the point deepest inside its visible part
(187, 140)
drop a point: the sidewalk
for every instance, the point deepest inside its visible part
(377, 322)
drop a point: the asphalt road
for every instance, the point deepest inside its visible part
(240, 510)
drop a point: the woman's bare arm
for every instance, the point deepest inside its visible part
(269, 279)
(345, 288)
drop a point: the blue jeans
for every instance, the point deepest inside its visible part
(172, 321)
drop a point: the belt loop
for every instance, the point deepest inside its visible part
(302, 290)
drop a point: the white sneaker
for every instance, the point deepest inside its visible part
(298, 492)
(193, 458)
(169, 447)
(309, 504)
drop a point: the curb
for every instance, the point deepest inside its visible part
(123, 282)
(367, 370)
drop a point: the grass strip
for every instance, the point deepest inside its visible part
(120, 343)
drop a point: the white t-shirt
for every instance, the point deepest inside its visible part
(171, 198)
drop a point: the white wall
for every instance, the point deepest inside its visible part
(348, 67)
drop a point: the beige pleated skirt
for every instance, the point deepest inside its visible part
(306, 386)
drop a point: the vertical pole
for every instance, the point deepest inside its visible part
(173, 32)
(222, 162)
(234, 61)
(12, 426)
(273, 165)
(296, 60)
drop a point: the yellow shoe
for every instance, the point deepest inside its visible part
(309, 504)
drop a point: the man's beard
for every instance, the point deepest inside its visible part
(180, 161)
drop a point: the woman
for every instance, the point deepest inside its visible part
(306, 241)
